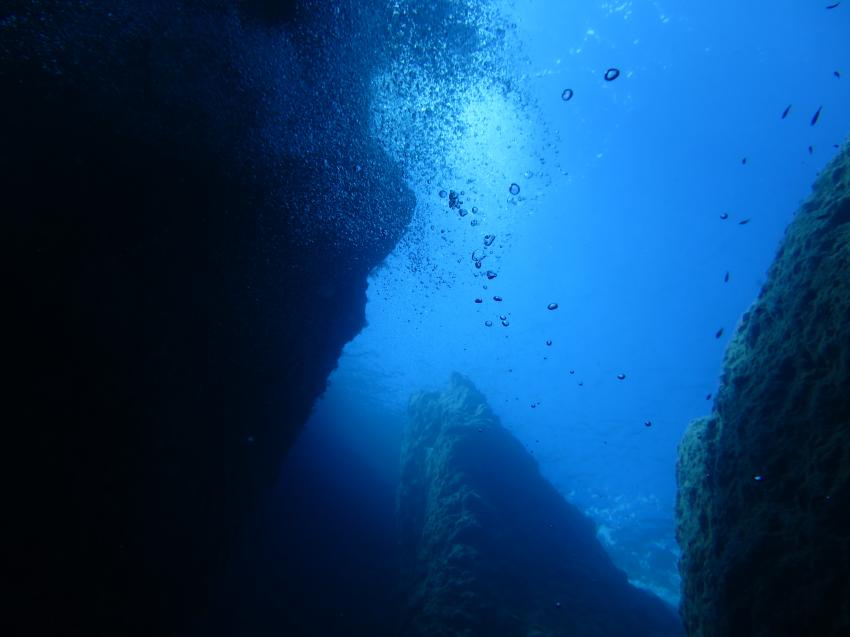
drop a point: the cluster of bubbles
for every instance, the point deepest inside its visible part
(439, 53)
(480, 253)
(447, 63)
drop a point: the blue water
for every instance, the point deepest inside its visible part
(617, 220)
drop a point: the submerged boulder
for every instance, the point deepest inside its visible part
(764, 481)
(490, 547)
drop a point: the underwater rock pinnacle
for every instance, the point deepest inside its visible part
(764, 481)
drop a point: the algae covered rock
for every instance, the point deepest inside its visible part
(490, 547)
(764, 482)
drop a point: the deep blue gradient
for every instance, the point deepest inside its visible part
(618, 221)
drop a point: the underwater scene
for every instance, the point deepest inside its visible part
(407, 318)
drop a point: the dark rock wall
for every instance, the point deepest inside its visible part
(764, 482)
(317, 556)
(490, 548)
(192, 203)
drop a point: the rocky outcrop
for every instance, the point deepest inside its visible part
(764, 481)
(192, 203)
(491, 548)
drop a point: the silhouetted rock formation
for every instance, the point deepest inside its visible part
(764, 482)
(491, 548)
(192, 203)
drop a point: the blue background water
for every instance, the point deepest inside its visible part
(618, 221)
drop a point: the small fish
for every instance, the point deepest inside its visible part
(815, 117)
(708, 396)
(724, 215)
(647, 423)
(744, 222)
(811, 150)
(726, 278)
(837, 74)
(833, 5)
(743, 160)
(786, 111)
(719, 333)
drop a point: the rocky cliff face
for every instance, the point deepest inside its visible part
(192, 203)
(764, 482)
(490, 547)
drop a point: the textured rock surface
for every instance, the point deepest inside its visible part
(192, 202)
(491, 548)
(764, 482)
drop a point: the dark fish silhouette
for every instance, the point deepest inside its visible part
(726, 278)
(832, 6)
(719, 333)
(815, 117)
(744, 222)
(786, 111)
